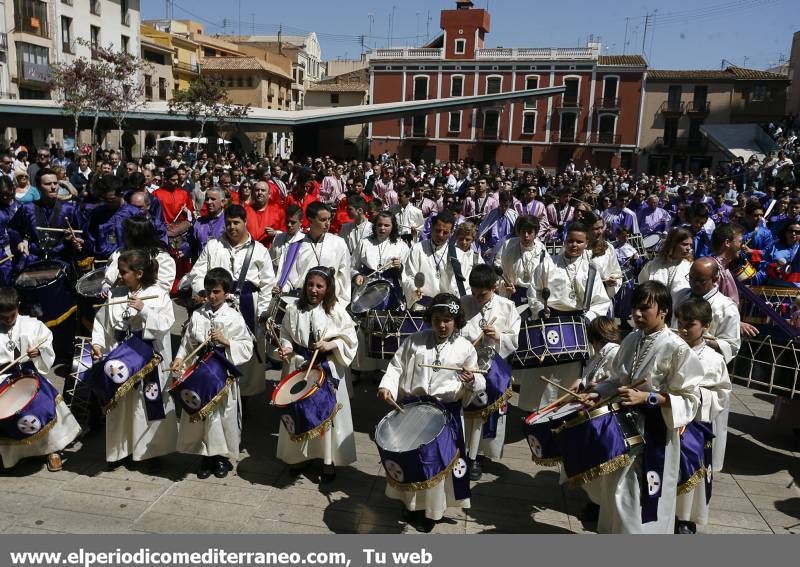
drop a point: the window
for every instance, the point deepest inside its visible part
(34, 62)
(419, 126)
(531, 82)
(491, 124)
(572, 85)
(230, 81)
(30, 16)
(605, 128)
(674, 96)
(670, 131)
(148, 87)
(125, 15)
(461, 46)
(569, 121)
(124, 42)
(162, 88)
(529, 123)
(420, 88)
(493, 85)
(66, 35)
(758, 94)
(334, 98)
(457, 85)
(249, 81)
(94, 37)
(610, 89)
(527, 155)
(453, 153)
(454, 122)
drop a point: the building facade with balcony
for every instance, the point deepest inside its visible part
(679, 102)
(346, 89)
(186, 53)
(596, 119)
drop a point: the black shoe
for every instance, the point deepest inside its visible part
(328, 474)
(475, 470)
(220, 467)
(418, 521)
(297, 469)
(205, 468)
(686, 528)
(591, 512)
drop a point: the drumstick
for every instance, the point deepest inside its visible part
(194, 352)
(456, 368)
(69, 225)
(476, 341)
(311, 364)
(48, 229)
(119, 301)
(19, 358)
(183, 208)
(4, 260)
(566, 391)
(397, 406)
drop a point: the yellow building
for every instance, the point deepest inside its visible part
(176, 35)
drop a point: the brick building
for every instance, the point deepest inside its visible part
(596, 119)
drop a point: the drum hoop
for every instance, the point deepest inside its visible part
(11, 381)
(406, 407)
(282, 383)
(658, 238)
(588, 415)
(60, 272)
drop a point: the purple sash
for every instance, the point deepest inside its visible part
(655, 444)
(291, 257)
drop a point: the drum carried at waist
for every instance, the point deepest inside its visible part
(387, 330)
(27, 407)
(543, 342)
(45, 292)
(90, 293)
(307, 405)
(539, 430)
(203, 385)
(652, 244)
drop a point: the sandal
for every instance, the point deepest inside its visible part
(54, 463)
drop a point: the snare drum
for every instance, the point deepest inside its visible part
(418, 447)
(539, 430)
(652, 244)
(202, 386)
(370, 296)
(598, 442)
(90, 292)
(560, 338)
(696, 448)
(637, 242)
(27, 407)
(388, 330)
(746, 272)
(307, 407)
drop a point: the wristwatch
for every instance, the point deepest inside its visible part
(652, 400)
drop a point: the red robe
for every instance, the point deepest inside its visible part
(272, 216)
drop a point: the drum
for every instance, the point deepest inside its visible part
(388, 330)
(417, 447)
(372, 295)
(203, 385)
(598, 442)
(119, 371)
(178, 237)
(769, 362)
(307, 406)
(539, 432)
(544, 342)
(27, 407)
(746, 272)
(498, 389)
(637, 242)
(90, 292)
(77, 394)
(652, 244)
(695, 466)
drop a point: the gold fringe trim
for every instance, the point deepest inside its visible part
(206, 410)
(425, 484)
(698, 477)
(484, 413)
(36, 436)
(603, 469)
(319, 430)
(58, 320)
(547, 462)
(131, 382)
(709, 445)
(86, 262)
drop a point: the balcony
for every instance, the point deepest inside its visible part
(683, 143)
(605, 139)
(563, 138)
(407, 53)
(608, 105)
(672, 108)
(95, 7)
(698, 108)
(34, 72)
(537, 53)
(186, 67)
(31, 17)
(569, 103)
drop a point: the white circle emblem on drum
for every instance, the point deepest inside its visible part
(29, 424)
(553, 337)
(117, 371)
(288, 423)
(394, 470)
(536, 446)
(460, 468)
(653, 483)
(191, 399)
(151, 391)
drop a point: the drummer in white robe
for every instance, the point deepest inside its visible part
(671, 265)
(519, 256)
(20, 334)
(604, 257)
(694, 318)
(217, 436)
(138, 232)
(318, 248)
(230, 251)
(129, 433)
(467, 250)
(493, 327)
(574, 285)
(405, 378)
(673, 373)
(319, 314)
(282, 240)
(384, 255)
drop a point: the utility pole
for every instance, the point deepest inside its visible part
(644, 36)
(280, 45)
(428, 27)
(417, 29)
(625, 43)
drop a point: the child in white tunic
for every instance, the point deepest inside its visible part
(217, 435)
(129, 433)
(138, 232)
(20, 334)
(671, 266)
(406, 378)
(694, 319)
(493, 328)
(317, 314)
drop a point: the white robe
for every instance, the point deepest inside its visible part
(330, 252)
(28, 332)
(337, 445)
(423, 259)
(506, 323)
(280, 245)
(404, 378)
(353, 234)
(715, 395)
(608, 267)
(518, 263)
(164, 279)
(725, 321)
(468, 260)
(408, 217)
(220, 432)
(674, 276)
(674, 370)
(128, 432)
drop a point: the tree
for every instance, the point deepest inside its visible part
(79, 88)
(206, 100)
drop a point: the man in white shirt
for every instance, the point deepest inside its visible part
(409, 218)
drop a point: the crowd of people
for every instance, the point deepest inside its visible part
(431, 279)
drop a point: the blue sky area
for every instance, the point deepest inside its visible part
(681, 34)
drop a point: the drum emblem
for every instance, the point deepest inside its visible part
(288, 423)
(460, 468)
(151, 391)
(653, 483)
(553, 337)
(536, 447)
(394, 471)
(191, 399)
(29, 424)
(117, 371)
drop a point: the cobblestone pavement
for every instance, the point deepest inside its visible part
(757, 493)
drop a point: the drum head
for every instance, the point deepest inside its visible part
(90, 286)
(651, 240)
(374, 294)
(39, 273)
(16, 395)
(555, 414)
(294, 388)
(420, 424)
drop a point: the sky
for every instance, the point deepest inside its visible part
(681, 34)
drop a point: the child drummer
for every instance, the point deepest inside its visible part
(217, 436)
(413, 373)
(493, 328)
(23, 335)
(694, 318)
(640, 497)
(318, 322)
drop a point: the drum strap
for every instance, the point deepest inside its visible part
(245, 267)
(291, 256)
(459, 275)
(587, 296)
